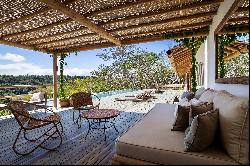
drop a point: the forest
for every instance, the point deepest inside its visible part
(26, 80)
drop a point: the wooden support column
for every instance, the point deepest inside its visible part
(55, 90)
(187, 82)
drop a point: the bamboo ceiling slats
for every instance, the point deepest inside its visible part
(145, 25)
(119, 33)
(82, 20)
(75, 25)
(180, 59)
(134, 17)
(17, 9)
(236, 48)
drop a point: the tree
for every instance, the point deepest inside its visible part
(133, 67)
(238, 66)
(223, 40)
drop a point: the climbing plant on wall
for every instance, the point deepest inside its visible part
(193, 44)
(62, 95)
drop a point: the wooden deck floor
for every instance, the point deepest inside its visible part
(75, 150)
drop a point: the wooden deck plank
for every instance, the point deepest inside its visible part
(75, 148)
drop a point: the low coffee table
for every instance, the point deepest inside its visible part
(102, 116)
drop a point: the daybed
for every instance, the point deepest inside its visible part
(151, 141)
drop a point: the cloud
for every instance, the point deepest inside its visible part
(31, 69)
(12, 57)
(77, 71)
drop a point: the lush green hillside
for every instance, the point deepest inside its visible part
(26, 80)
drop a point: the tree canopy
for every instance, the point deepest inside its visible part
(134, 67)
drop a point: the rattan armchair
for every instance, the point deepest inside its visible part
(82, 101)
(51, 128)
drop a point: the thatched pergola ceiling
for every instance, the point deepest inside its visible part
(75, 25)
(180, 59)
(239, 20)
(180, 56)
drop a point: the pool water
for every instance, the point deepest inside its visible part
(110, 93)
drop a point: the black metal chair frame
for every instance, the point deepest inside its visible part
(24, 129)
(84, 107)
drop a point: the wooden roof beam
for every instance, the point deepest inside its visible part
(234, 20)
(149, 14)
(82, 20)
(235, 29)
(242, 9)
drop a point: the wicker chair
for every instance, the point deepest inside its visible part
(29, 125)
(82, 101)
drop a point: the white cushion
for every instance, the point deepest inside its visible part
(39, 96)
(199, 92)
(208, 96)
(184, 102)
(194, 101)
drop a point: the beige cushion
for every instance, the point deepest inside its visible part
(152, 140)
(202, 131)
(234, 125)
(208, 96)
(181, 120)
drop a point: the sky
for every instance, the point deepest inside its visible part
(17, 61)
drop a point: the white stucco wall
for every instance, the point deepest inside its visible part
(200, 55)
(236, 89)
(200, 58)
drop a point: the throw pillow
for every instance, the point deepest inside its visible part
(39, 96)
(184, 102)
(199, 109)
(208, 96)
(194, 101)
(234, 125)
(188, 95)
(181, 118)
(199, 92)
(202, 132)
